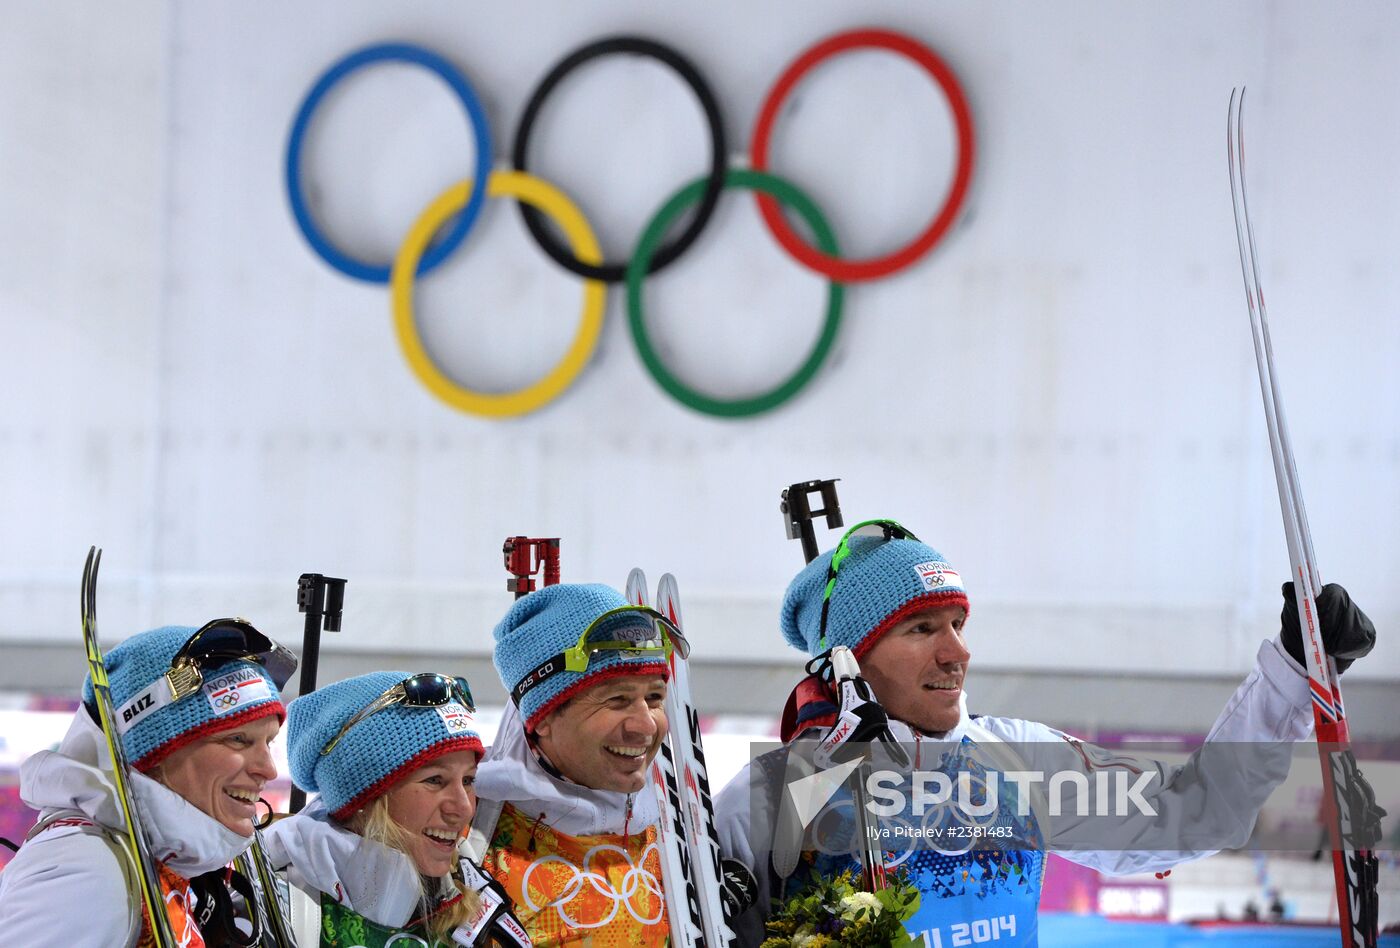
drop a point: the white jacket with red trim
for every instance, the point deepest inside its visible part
(70, 884)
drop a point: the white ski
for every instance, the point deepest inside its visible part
(683, 903)
(699, 810)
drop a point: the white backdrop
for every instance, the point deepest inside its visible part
(1061, 397)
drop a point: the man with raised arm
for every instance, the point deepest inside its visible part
(902, 610)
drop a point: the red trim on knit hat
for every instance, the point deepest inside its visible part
(154, 757)
(426, 756)
(946, 597)
(616, 671)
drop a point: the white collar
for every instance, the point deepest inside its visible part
(78, 776)
(511, 773)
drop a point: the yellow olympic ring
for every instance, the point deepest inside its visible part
(556, 204)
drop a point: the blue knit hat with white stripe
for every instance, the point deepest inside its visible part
(150, 723)
(550, 620)
(378, 750)
(878, 585)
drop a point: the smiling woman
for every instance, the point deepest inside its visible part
(393, 758)
(223, 774)
(196, 711)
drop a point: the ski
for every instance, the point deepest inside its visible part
(684, 728)
(684, 908)
(138, 847)
(636, 588)
(268, 890)
(1349, 809)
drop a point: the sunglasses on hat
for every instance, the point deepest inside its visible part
(220, 642)
(424, 690)
(631, 630)
(885, 530)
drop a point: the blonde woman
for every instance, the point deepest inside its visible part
(393, 758)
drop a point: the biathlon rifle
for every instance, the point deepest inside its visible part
(524, 557)
(322, 598)
(857, 701)
(495, 922)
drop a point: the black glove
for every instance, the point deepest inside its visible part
(738, 889)
(1347, 633)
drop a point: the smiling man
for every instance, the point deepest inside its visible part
(902, 610)
(565, 819)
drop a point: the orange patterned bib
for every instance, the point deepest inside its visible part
(179, 908)
(600, 891)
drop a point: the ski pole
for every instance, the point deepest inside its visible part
(524, 557)
(795, 505)
(1349, 810)
(322, 598)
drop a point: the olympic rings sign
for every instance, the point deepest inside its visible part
(459, 207)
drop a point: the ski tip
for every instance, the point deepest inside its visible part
(636, 591)
(668, 600)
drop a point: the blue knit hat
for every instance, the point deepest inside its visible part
(879, 584)
(150, 724)
(544, 624)
(378, 751)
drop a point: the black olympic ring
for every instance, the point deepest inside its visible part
(714, 183)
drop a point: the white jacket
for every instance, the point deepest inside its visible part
(366, 877)
(68, 885)
(1216, 801)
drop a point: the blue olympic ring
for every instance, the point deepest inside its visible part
(397, 52)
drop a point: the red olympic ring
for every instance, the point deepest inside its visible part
(870, 268)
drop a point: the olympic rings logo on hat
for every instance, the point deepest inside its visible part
(459, 207)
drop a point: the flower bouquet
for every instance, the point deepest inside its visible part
(833, 913)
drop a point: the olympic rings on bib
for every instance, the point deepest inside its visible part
(614, 272)
(457, 209)
(552, 201)
(637, 880)
(828, 264)
(637, 270)
(387, 52)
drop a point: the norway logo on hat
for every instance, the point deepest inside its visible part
(235, 690)
(455, 718)
(936, 575)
